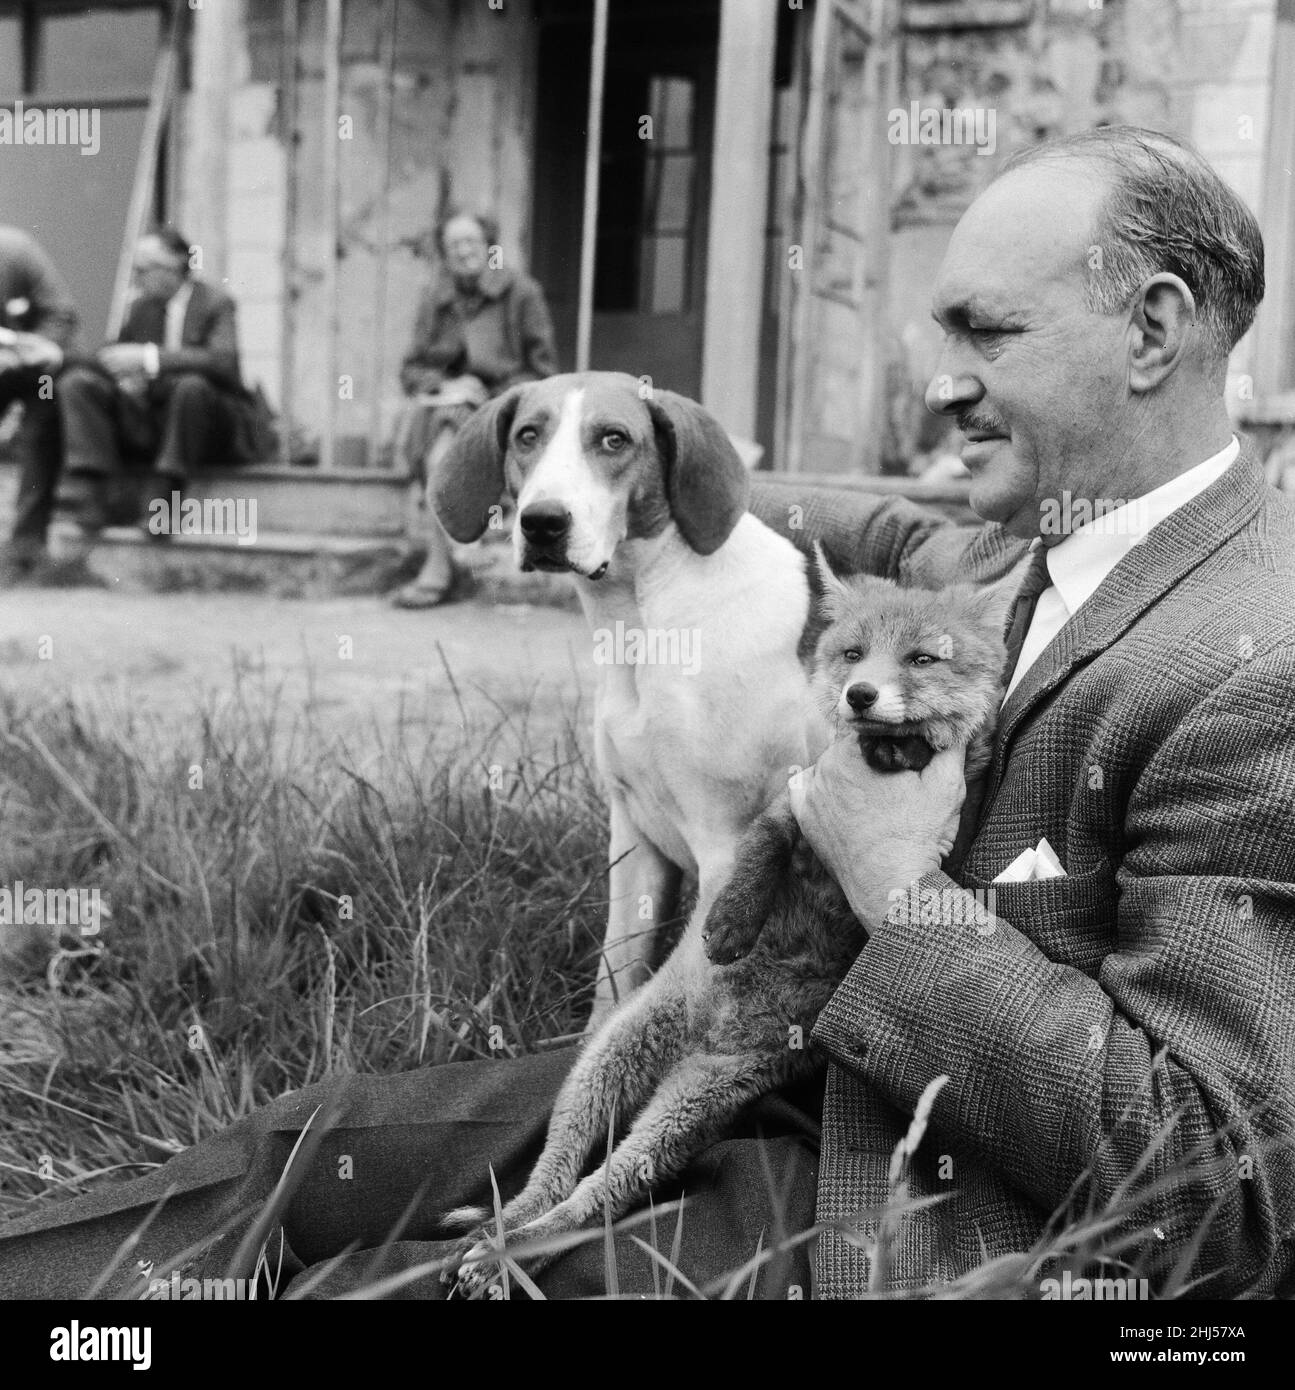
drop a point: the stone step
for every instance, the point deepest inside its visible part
(287, 564)
(345, 502)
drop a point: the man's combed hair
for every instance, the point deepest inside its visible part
(1167, 210)
(175, 242)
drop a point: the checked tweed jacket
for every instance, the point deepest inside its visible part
(1146, 1000)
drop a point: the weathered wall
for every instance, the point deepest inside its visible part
(1198, 68)
(460, 132)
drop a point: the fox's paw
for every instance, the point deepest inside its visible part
(476, 1267)
(908, 754)
(726, 939)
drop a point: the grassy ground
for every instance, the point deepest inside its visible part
(302, 911)
(288, 903)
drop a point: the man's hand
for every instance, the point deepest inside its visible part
(125, 359)
(463, 390)
(29, 350)
(876, 832)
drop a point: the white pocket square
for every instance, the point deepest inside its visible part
(1033, 864)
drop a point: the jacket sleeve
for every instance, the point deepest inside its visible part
(864, 532)
(217, 356)
(535, 328)
(52, 313)
(1180, 1054)
(429, 358)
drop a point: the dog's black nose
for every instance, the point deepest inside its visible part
(545, 522)
(861, 696)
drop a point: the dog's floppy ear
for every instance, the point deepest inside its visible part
(470, 477)
(706, 484)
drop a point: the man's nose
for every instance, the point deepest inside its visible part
(950, 390)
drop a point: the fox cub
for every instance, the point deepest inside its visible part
(905, 672)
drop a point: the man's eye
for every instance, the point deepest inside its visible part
(923, 659)
(614, 440)
(853, 654)
(527, 436)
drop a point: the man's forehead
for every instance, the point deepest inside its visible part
(1026, 233)
(150, 251)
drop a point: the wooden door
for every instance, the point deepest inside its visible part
(658, 115)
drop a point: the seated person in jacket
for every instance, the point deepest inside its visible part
(37, 324)
(166, 395)
(480, 329)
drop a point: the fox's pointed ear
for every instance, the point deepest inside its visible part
(830, 588)
(993, 602)
(470, 477)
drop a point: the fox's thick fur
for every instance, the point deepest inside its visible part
(676, 1061)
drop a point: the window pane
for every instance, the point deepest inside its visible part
(104, 51)
(665, 275)
(669, 202)
(670, 102)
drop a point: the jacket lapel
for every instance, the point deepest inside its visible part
(1170, 551)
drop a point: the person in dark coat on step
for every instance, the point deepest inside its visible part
(168, 395)
(37, 327)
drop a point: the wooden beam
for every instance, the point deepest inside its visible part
(386, 108)
(332, 223)
(593, 157)
(145, 183)
(1273, 342)
(290, 37)
(739, 199)
(202, 149)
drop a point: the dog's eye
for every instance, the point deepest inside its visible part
(923, 659)
(526, 437)
(852, 654)
(614, 440)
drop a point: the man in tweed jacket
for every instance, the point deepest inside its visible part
(1141, 1004)
(1144, 1002)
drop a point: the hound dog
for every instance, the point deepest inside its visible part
(703, 710)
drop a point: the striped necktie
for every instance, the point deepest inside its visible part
(1035, 582)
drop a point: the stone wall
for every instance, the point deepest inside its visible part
(1198, 68)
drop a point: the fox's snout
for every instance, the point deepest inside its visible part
(861, 696)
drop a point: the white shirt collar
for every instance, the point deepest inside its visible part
(176, 308)
(1092, 549)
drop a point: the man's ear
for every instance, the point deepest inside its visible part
(1164, 314)
(707, 487)
(470, 477)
